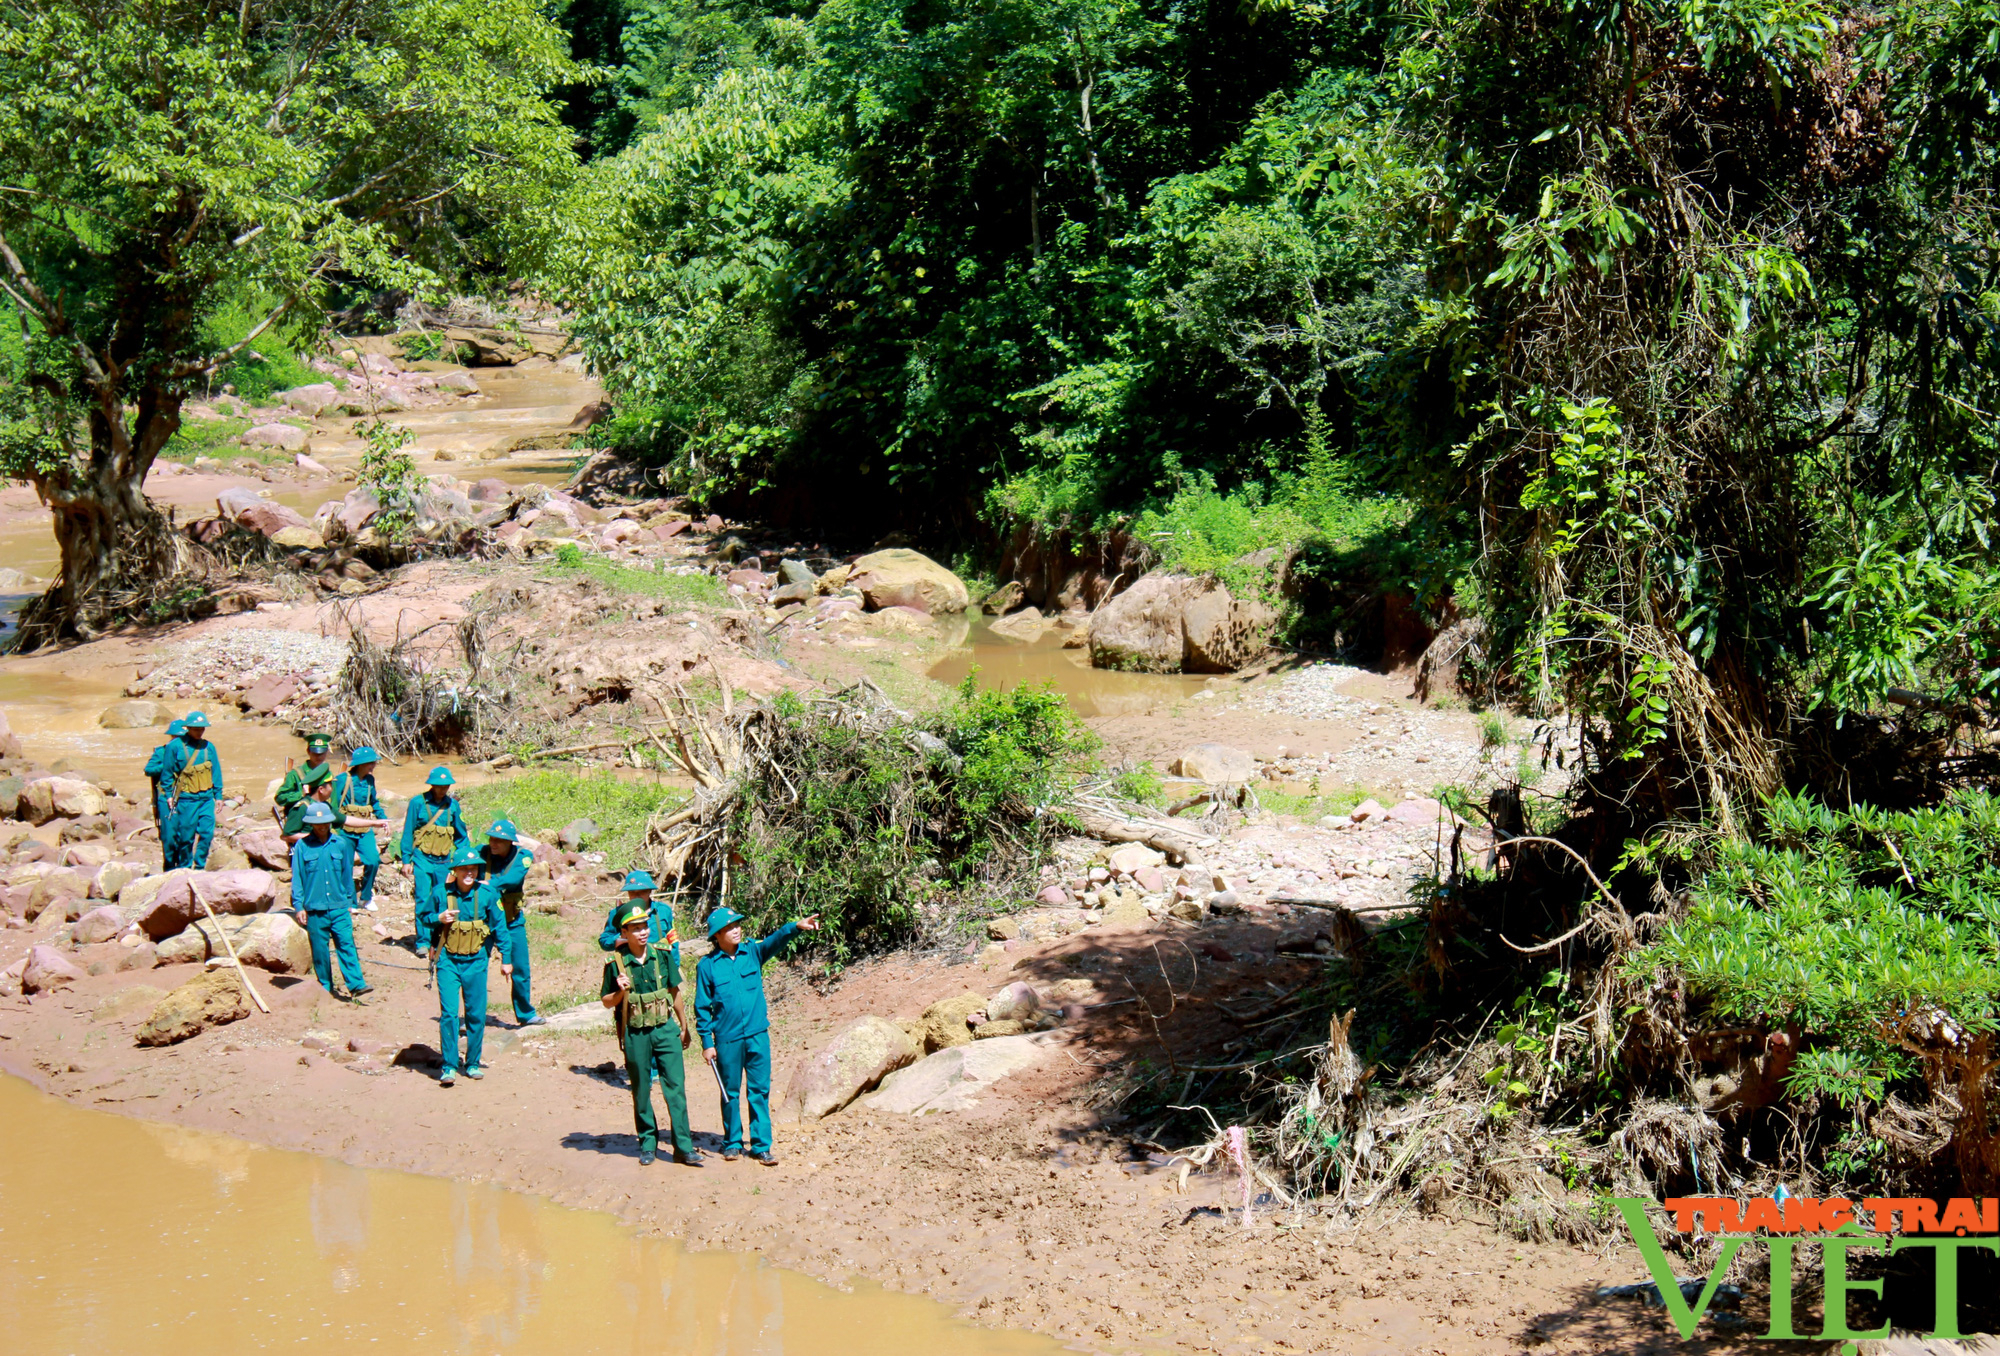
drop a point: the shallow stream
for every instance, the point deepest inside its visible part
(1002, 661)
(120, 1235)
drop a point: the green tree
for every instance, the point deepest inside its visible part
(163, 161)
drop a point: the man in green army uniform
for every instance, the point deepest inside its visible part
(432, 832)
(468, 926)
(156, 773)
(642, 984)
(319, 793)
(356, 800)
(506, 870)
(735, 1024)
(193, 776)
(322, 895)
(299, 781)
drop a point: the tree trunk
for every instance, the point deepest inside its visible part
(120, 554)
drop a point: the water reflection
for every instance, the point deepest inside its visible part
(126, 1236)
(1005, 662)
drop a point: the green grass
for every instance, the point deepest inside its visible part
(540, 803)
(1313, 807)
(207, 438)
(702, 590)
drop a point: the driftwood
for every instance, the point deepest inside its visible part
(1114, 822)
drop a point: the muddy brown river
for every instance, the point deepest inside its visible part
(119, 1235)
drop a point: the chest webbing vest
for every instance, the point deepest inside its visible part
(350, 808)
(647, 1008)
(510, 895)
(196, 777)
(467, 935)
(435, 838)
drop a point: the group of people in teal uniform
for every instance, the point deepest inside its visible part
(187, 780)
(469, 911)
(643, 981)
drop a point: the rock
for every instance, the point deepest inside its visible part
(87, 856)
(226, 857)
(905, 578)
(15, 581)
(953, 1079)
(1223, 633)
(189, 948)
(49, 798)
(753, 579)
(282, 436)
(257, 513)
(1216, 763)
(1187, 910)
(214, 998)
(270, 692)
(576, 833)
(792, 593)
(797, 572)
(311, 467)
(269, 941)
(1367, 810)
(462, 382)
(1129, 857)
(1128, 907)
(48, 968)
(1002, 929)
(1008, 1027)
(110, 880)
(99, 925)
(1170, 623)
(1055, 895)
(1016, 1002)
(857, 1059)
(1025, 625)
(1003, 599)
(265, 847)
(358, 509)
(1226, 903)
(298, 539)
(164, 905)
(134, 715)
(1422, 810)
(943, 1023)
(310, 400)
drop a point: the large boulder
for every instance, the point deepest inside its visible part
(1216, 763)
(48, 798)
(270, 692)
(310, 400)
(164, 905)
(859, 1056)
(99, 925)
(1170, 623)
(210, 999)
(358, 509)
(110, 880)
(904, 578)
(58, 896)
(1016, 1002)
(943, 1023)
(253, 511)
(953, 1079)
(133, 715)
(48, 968)
(265, 847)
(269, 941)
(282, 436)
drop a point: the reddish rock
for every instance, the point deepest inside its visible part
(1054, 895)
(99, 925)
(164, 905)
(749, 579)
(668, 531)
(48, 969)
(270, 692)
(266, 848)
(713, 523)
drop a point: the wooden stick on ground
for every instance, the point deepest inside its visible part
(230, 947)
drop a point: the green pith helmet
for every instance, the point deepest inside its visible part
(196, 720)
(440, 776)
(363, 757)
(467, 855)
(176, 729)
(640, 880)
(722, 918)
(504, 830)
(319, 812)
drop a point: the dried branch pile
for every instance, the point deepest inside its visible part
(425, 692)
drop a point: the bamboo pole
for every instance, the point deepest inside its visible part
(230, 947)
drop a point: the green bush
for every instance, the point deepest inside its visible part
(1843, 924)
(693, 589)
(883, 831)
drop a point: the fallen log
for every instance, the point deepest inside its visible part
(1110, 824)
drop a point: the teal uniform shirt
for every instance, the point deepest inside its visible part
(351, 792)
(156, 771)
(323, 874)
(509, 878)
(191, 814)
(181, 755)
(461, 980)
(422, 810)
(729, 990)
